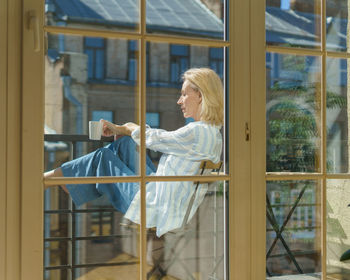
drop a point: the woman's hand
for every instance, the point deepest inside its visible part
(110, 129)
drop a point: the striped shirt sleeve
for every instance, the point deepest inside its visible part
(179, 142)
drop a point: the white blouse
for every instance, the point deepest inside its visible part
(183, 150)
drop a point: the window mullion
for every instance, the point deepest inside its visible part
(258, 147)
(4, 151)
(324, 142)
(171, 39)
(142, 112)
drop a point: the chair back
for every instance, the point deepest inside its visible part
(205, 164)
(208, 164)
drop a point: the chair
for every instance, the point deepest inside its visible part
(205, 165)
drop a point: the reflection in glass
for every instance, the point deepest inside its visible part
(293, 23)
(164, 82)
(55, 253)
(94, 233)
(197, 248)
(110, 250)
(64, 273)
(116, 15)
(293, 233)
(292, 113)
(337, 116)
(338, 228)
(57, 221)
(93, 88)
(337, 25)
(86, 78)
(186, 18)
(51, 201)
(181, 17)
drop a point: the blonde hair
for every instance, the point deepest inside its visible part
(209, 84)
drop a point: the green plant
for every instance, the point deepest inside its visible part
(293, 135)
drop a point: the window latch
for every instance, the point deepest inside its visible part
(33, 25)
(247, 132)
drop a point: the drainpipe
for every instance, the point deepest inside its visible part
(67, 81)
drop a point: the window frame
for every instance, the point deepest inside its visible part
(322, 175)
(3, 137)
(246, 223)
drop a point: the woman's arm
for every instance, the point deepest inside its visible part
(179, 142)
(110, 129)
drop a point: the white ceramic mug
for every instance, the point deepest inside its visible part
(95, 130)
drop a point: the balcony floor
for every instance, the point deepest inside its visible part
(119, 272)
(312, 276)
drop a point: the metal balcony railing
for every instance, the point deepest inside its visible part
(102, 215)
(106, 215)
(71, 265)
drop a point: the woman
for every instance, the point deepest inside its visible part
(166, 202)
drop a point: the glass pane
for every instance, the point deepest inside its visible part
(58, 274)
(293, 229)
(337, 116)
(293, 23)
(94, 239)
(106, 115)
(56, 253)
(188, 136)
(292, 113)
(338, 229)
(186, 18)
(116, 15)
(110, 251)
(188, 250)
(125, 268)
(56, 199)
(56, 224)
(337, 25)
(102, 221)
(88, 78)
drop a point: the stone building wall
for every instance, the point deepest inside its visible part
(159, 62)
(116, 59)
(53, 95)
(199, 56)
(73, 44)
(118, 98)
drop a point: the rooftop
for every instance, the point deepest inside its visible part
(182, 16)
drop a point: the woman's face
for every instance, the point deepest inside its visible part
(190, 101)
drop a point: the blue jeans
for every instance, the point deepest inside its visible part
(120, 158)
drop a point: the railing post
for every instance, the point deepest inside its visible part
(73, 238)
(73, 225)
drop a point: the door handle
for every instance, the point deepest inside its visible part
(33, 24)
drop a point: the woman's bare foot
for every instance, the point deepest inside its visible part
(55, 173)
